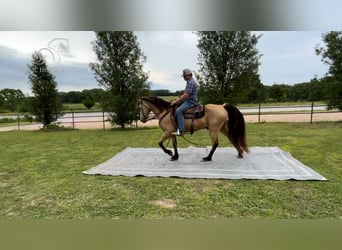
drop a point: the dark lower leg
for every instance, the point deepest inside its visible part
(167, 151)
(240, 152)
(174, 143)
(212, 151)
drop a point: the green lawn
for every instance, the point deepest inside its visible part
(80, 107)
(41, 177)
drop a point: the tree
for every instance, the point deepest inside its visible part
(119, 71)
(278, 92)
(2, 101)
(88, 102)
(72, 97)
(96, 94)
(46, 105)
(229, 62)
(11, 99)
(332, 55)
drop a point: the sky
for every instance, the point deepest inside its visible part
(287, 57)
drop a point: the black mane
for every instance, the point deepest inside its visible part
(158, 102)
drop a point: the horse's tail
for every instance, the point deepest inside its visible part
(236, 127)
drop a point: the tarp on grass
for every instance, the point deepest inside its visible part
(260, 163)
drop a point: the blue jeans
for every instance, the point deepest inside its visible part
(179, 115)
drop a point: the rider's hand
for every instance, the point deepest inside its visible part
(174, 102)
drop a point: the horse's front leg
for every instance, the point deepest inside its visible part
(174, 143)
(165, 136)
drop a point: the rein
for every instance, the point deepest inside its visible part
(191, 142)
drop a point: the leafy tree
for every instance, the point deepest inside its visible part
(72, 97)
(119, 71)
(96, 94)
(229, 62)
(299, 92)
(2, 100)
(277, 92)
(88, 102)
(11, 99)
(46, 105)
(333, 91)
(316, 90)
(332, 55)
(79, 96)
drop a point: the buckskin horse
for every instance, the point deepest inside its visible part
(224, 118)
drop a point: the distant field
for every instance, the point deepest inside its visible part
(80, 107)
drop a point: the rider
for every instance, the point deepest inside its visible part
(189, 99)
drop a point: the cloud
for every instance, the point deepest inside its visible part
(13, 69)
(168, 53)
(69, 75)
(73, 76)
(288, 57)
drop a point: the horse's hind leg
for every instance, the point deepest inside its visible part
(235, 144)
(214, 140)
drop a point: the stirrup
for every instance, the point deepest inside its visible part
(178, 133)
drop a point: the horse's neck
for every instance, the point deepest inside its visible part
(157, 110)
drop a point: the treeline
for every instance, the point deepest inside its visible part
(95, 94)
(13, 100)
(315, 90)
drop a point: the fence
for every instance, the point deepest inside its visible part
(100, 120)
(309, 110)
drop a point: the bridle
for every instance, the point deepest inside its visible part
(142, 113)
(148, 118)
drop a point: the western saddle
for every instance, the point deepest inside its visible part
(193, 113)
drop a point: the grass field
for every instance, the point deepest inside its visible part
(41, 177)
(80, 107)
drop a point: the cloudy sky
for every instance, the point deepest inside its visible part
(287, 57)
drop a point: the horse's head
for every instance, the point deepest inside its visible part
(154, 104)
(145, 110)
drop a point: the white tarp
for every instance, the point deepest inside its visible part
(260, 163)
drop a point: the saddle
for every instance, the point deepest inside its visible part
(193, 114)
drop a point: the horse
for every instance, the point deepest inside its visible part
(225, 118)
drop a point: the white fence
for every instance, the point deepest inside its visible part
(259, 113)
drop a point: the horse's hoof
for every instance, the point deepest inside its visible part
(174, 158)
(205, 159)
(169, 152)
(240, 156)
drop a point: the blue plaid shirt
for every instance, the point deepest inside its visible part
(191, 88)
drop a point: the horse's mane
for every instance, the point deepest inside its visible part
(159, 102)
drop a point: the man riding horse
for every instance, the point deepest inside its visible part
(189, 99)
(224, 118)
